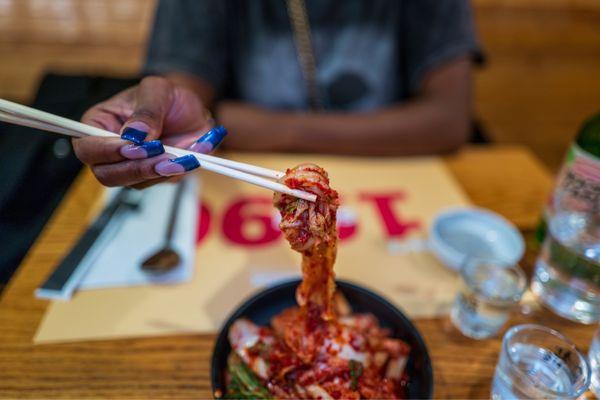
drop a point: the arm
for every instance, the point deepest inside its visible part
(436, 120)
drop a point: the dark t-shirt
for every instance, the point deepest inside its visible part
(369, 53)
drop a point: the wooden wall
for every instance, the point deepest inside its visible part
(543, 75)
(541, 80)
(72, 36)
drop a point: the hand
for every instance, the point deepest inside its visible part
(147, 115)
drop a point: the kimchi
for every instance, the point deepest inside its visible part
(310, 228)
(319, 349)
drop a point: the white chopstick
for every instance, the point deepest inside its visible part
(31, 123)
(252, 169)
(87, 130)
(22, 115)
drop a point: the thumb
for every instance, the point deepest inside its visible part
(152, 99)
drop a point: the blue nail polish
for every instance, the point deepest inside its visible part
(188, 162)
(214, 136)
(134, 135)
(153, 148)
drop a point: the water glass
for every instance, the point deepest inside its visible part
(539, 363)
(490, 290)
(594, 357)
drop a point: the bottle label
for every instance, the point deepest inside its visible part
(579, 183)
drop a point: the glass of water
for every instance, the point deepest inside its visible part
(539, 363)
(594, 356)
(490, 290)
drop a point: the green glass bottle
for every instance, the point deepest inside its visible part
(587, 143)
(567, 273)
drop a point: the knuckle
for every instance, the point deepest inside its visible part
(104, 177)
(94, 150)
(88, 115)
(142, 171)
(145, 114)
(147, 169)
(135, 172)
(106, 150)
(81, 149)
(155, 81)
(76, 143)
(91, 113)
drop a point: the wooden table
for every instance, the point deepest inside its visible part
(507, 180)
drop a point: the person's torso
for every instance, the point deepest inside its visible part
(356, 46)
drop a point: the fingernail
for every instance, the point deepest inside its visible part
(177, 166)
(146, 150)
(135, 132)
(210, 140)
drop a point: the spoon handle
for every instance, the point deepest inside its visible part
(174, 210)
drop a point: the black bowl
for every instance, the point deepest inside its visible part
(264, 305)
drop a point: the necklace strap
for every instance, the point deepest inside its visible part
(305, 51)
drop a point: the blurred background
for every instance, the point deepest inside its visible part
(540, 81)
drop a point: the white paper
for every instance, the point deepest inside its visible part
(141, 235)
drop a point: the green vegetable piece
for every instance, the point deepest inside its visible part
(291, 207)
(244, 384)
(356, 370)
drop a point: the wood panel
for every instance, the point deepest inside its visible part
(541, 78)
(105, 37)
(539, 84)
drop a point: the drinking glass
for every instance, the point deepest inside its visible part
(537, 362)
(594, 356)
(490, 289)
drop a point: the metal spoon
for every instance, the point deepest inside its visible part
(166, 258)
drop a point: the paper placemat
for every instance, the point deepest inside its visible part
(141, 235)
(388, 205)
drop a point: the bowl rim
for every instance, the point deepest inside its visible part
(243, 307)
(452, 257)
